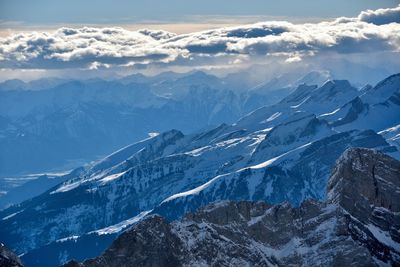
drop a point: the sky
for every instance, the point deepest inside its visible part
(46, 37)
(17, 14)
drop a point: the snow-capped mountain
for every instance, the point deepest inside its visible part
(88, 119)
(281, 152)
(306, 98)
(356, 226)
(377, 108)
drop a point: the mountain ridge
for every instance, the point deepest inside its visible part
(260, 234)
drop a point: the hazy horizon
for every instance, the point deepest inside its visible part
(203, 41)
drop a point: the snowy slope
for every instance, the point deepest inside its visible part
(392, 135)
(377, 108)
(294, 176)
(282, 152)
(306, 98)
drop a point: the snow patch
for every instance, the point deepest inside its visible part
(111, 177)
(116, 228)
(301, 103)
(73, 238)
(153, 134)
(67, 187)
(391, 129)
(330, 113)
(12, 215)
(273, 117)
(195, 190)
(383, 237)
(270, 161)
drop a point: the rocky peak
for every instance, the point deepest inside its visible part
(172, 134)
(354, 108)
(383, 90)
(315, 77)
(157, 147)
(301, 92)
(365, 177)
(301, 124)
(391, 80)
(333, 88)
(8, 258)
(226, 212)
(365, 184)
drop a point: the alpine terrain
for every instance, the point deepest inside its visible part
(279, 153)
(357, 225)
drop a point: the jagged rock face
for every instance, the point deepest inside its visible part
(8, 258)
(373, 176)
(366, 184)
(357, 226)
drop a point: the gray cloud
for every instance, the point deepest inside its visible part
(371, 31)
(381, 16)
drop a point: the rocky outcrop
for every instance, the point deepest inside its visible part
(8, 258)
(366, 185)
(358, 225)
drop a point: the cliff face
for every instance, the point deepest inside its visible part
(358, 225)
(8, 258)
(366, 186)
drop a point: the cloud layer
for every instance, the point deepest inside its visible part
(381, 16)
(370, 32)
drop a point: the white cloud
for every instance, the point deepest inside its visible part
(381, 16)
(292, 59)
(371, 31)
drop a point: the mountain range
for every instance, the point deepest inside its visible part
(88, 119)
(282, 152)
